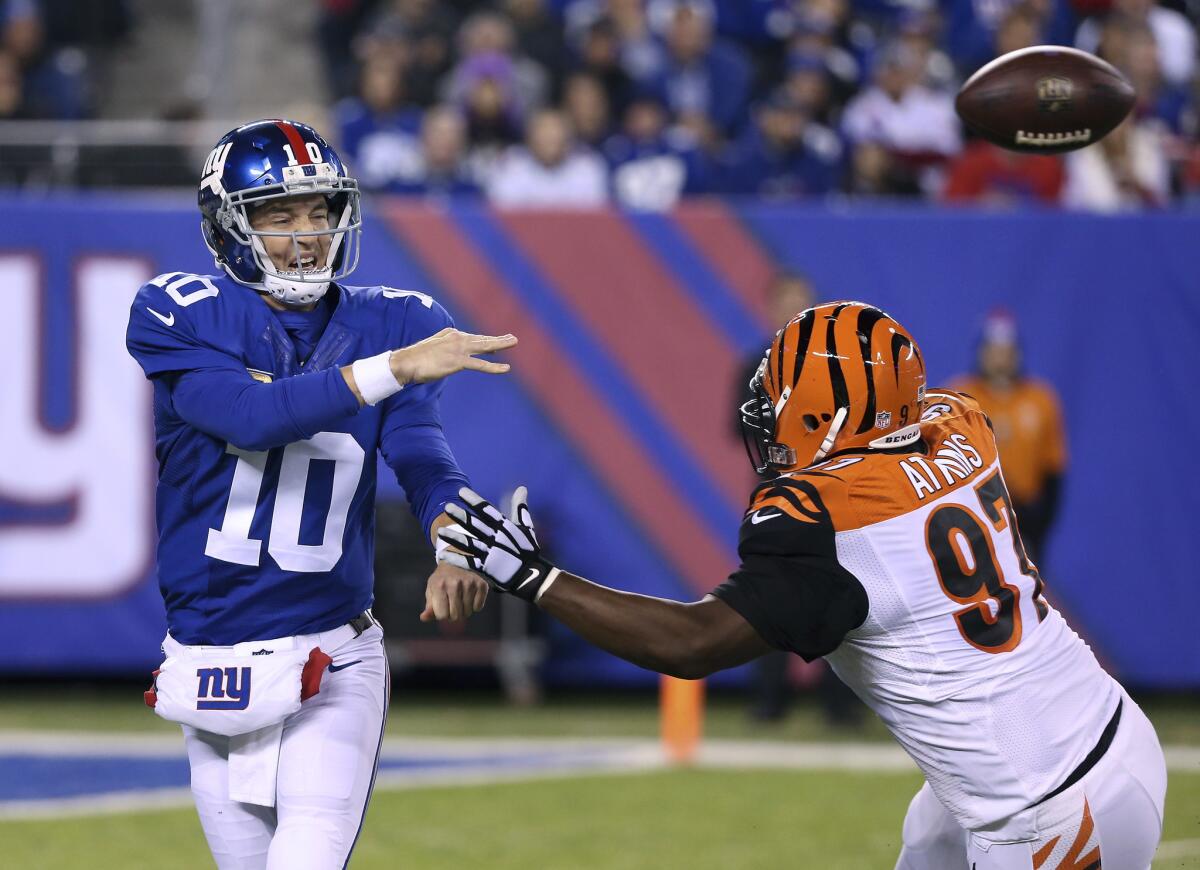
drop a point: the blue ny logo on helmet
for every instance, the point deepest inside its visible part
(271, 160)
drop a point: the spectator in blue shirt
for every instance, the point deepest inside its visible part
(972, 25)
(539, 34)
(599, 55)
(808, 84)
(782, 154)
(651, 166)
(378, 128)
(425, 30)
(586, 104)
(811, 32)
(705, 82)
(444, 170)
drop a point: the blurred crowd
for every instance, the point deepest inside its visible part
(575, 102)
(46, 48)
(640, 102)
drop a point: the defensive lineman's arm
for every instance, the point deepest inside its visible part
(688, 640)
(684, 640)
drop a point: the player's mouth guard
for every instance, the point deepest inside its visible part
(323, 181)
(349, 224)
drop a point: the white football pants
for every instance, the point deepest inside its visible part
(1114, 814)
(327, 763)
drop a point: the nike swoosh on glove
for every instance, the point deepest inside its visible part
(503, 549)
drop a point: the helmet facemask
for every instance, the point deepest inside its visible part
(299, 286)
(759, 416)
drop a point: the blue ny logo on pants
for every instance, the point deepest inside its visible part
(230, 684)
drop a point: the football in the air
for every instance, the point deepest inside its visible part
(1045, 99)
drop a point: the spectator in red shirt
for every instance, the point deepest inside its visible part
(987, 174)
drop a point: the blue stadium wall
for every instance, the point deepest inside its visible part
(618, 414)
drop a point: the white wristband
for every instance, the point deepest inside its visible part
(550, 578)
(374, 379)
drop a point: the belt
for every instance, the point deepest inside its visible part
(362, 622)
(330, 640)
(1089, 761)
(326, 640)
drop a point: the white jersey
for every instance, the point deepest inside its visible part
(947, 636)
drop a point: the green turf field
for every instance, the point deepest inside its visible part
(677, 819)
(662, 820)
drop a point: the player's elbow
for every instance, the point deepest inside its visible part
(688, 658)
(689, 669)
(260, 440)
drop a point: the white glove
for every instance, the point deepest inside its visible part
(503, 549)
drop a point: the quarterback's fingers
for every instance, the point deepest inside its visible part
(454, 601)
(427, 615)
(488, 368)
(468, 590)
(481, 594)
(490, 343)
(438, 602)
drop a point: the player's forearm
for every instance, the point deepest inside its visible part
(653, 633)
(256, 416)
(423, 463)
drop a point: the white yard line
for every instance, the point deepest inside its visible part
(713, 752)
(1168, 849)
(495, 761)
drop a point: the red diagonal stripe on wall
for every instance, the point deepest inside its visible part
(564, 393)
(655, 331)
(734, 254)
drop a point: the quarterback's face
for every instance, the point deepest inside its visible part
(294, 214)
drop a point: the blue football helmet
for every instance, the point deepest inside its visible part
(268, 160)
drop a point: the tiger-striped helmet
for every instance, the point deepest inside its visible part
(839, 376)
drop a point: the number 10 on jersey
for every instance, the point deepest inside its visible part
(232, 542)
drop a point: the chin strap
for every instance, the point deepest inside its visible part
(286, 291)
(835, 428)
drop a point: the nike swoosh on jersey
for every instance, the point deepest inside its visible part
(533, 575)
(759, 517)
(335, 668)
(169, 320)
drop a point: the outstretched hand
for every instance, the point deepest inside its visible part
(505, 550)
(447, 352)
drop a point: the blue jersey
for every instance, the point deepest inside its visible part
(266, 464)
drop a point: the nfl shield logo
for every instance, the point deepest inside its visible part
(883, 419)
(1054, 93)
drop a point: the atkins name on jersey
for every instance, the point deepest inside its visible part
(266, 461)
